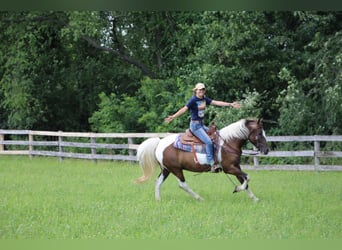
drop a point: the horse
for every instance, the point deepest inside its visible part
(155, 151)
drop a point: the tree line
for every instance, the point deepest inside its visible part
(125, 71)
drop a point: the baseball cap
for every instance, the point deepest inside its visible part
(199, 86)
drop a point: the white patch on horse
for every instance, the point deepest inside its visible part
(202, 158)
(163, 144)
(264, 134)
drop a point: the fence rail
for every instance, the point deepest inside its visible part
(57, 144)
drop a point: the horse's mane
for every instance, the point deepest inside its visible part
(236, 130)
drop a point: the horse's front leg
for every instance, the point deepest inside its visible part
(234, 169)
(244, 186)
(251, 195)
(243, 179)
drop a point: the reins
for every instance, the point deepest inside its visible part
(230, 179)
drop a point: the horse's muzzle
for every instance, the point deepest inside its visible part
(264, 151)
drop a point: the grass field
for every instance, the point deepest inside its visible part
(43, 198)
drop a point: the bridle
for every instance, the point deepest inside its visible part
(258, 145)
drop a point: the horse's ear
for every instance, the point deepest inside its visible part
(260, 121)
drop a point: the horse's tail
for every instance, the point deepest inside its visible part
(147, 159)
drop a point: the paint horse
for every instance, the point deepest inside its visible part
(155, 151)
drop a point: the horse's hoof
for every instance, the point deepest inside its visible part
(235, 190)
(199, 198)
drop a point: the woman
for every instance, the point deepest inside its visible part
(197, 104)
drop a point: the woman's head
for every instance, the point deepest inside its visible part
(199, 89)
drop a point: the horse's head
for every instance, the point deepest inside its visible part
(257, 135)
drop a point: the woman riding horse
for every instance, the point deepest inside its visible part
(155, 151)
(197, 104)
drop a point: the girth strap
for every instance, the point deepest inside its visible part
(195, 155)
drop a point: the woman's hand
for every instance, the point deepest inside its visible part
(178, 113)
(169, 118)
(235, 105)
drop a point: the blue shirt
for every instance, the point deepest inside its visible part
(194, 105)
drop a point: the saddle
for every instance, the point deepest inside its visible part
(189, 138)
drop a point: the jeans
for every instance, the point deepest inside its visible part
(199, 130)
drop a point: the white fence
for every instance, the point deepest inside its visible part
(96, 146)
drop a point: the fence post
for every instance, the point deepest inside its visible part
(30, 144)
(316, 153)
(93, 148)
(60, 147)
(255, 159)
(130, 151)
(2, 138)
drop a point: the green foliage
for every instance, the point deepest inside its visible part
(19, 70)
(115, 114)
(313, 105)
(55, 64)
(160, 99)
(225, 116)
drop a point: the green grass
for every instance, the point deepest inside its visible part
(43, 198)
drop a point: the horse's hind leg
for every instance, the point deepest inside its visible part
(161, 178)
(185, 187)
(182, 184)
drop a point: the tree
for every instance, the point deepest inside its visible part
(60, 70)
(19, 71)
(311, 104)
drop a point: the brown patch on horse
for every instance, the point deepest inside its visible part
(231, 149)
(176, 160)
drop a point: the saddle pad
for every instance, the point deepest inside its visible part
(199, 148)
